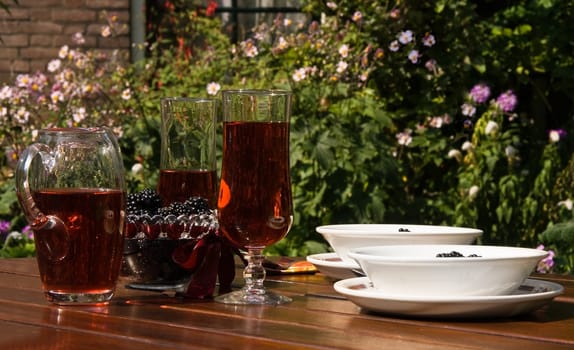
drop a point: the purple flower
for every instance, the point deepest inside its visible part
(27, 230)
(480, 93)
(545, 265)
(4, 226)
(507, 101)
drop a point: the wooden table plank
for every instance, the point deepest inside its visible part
(192, 325)
(318, 318)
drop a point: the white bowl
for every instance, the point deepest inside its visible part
(344, 237)
(416, 270)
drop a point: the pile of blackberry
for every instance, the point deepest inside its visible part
(192, 206)
(145, 215)
(148, 202)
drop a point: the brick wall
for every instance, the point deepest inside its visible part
(36, 29)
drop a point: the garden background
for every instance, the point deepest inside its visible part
(428, 112)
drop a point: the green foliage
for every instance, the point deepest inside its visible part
(560, 238)
(17, 245)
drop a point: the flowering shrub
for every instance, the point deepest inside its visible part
(344, 153)
(79, 88)
(495, 183)
(400, 114)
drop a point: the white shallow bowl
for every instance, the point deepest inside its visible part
(415, 270)
(342, 238)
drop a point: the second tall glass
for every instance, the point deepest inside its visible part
(255, 205)
(188, 164)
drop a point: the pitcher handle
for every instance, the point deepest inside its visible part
(55, 244)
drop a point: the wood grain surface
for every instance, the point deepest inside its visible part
(318, 318)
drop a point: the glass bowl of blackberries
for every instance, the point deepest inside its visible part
(159, 238)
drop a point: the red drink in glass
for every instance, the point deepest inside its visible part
(87, 259)
(177, 185)
(255, 206)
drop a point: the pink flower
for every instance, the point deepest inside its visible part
(428, 40)
(414, 56)
(249, 48)
(468, 109)
(106, 31)
(436, 122)
(332, 5)
(556, 135)
(357, 16)
(341, 66)
(404, 138)
(344, 50)
(406, 37)
(213, 88)
(299, 74)
(78, 38)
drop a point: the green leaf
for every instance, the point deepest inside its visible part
(7, 199)
(546, 3)
(523, 29)
(561, 233)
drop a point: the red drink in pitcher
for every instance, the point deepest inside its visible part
(179, 185)
(87, 258)
(255, 207)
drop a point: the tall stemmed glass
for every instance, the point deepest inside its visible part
(255, 204)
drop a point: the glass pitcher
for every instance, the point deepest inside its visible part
(71, 187)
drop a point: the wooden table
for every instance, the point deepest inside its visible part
(318, 318)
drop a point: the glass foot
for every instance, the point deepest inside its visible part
(242, 297)
(73, 298)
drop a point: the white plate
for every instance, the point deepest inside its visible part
(331, 265)
(532, 295)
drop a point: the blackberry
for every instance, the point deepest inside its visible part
(177, 209)
(147, 201)
(197, 205)
(452, 254)
(455, 254)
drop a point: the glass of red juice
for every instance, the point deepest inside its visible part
(71, 187)
(188, 165)
(255, 206)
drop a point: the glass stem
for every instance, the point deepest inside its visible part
(254, 273)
